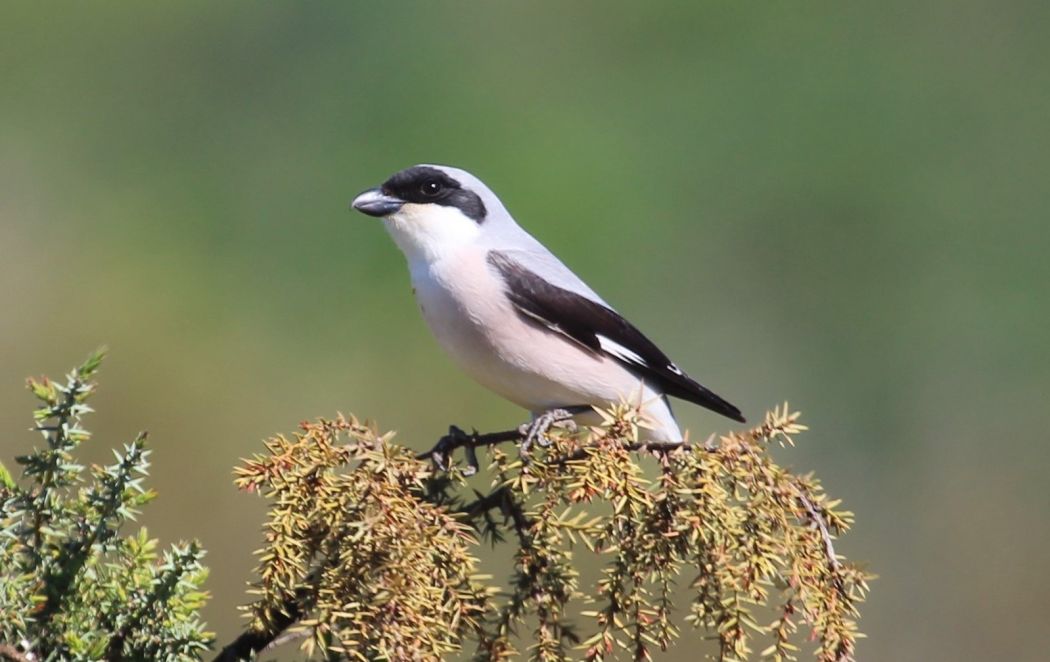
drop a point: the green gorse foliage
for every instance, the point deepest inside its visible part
(371, 553)
(71, 586)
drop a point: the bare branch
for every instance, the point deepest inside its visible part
(441, 452)
(456, 438)
(252, 640)
(816, 518)
(503, 499)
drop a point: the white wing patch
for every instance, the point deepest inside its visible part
(624, 354)
(619, 351)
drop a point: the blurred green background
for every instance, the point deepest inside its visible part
(844, 206)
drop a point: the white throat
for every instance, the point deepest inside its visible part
(427, 233)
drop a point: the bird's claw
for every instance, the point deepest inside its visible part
(529, 433)
(535, 431)
(441, 454)
(471, 455)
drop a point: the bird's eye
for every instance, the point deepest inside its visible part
(430, 189)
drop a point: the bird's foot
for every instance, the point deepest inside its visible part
(535, 431)
(441, 454)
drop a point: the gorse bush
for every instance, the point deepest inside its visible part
(371, 551)
(72, 587)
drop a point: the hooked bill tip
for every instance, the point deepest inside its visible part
(376, 203)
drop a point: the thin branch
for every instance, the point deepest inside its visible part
(512, 509)
(816, 517)
(818, 520)
(456, 438)
(252, 641)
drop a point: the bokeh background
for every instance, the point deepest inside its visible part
(840, 205)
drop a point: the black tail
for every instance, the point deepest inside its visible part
(701, 395)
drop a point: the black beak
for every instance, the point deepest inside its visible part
(376, 203)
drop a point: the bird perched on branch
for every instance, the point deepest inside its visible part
(514, 317)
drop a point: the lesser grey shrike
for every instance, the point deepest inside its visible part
(514, 317)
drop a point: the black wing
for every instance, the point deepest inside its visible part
(601, 330)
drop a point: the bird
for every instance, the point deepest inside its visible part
(515, 318)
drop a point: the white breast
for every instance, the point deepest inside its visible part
(464, 303)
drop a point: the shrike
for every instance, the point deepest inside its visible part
(513, 316)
